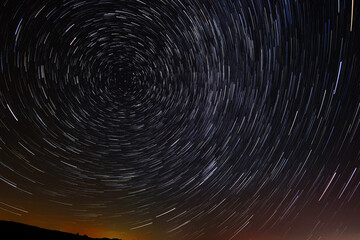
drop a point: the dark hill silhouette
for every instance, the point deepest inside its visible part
(19, 231)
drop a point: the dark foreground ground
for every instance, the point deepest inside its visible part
(19, 231)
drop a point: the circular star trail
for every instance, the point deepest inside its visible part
(182, 119)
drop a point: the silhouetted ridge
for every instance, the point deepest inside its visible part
(19, 231)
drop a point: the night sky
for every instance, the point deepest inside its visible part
(181, 119)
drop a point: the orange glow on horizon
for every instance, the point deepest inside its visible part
(91, 229)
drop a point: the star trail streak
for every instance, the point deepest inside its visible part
(181, 119)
